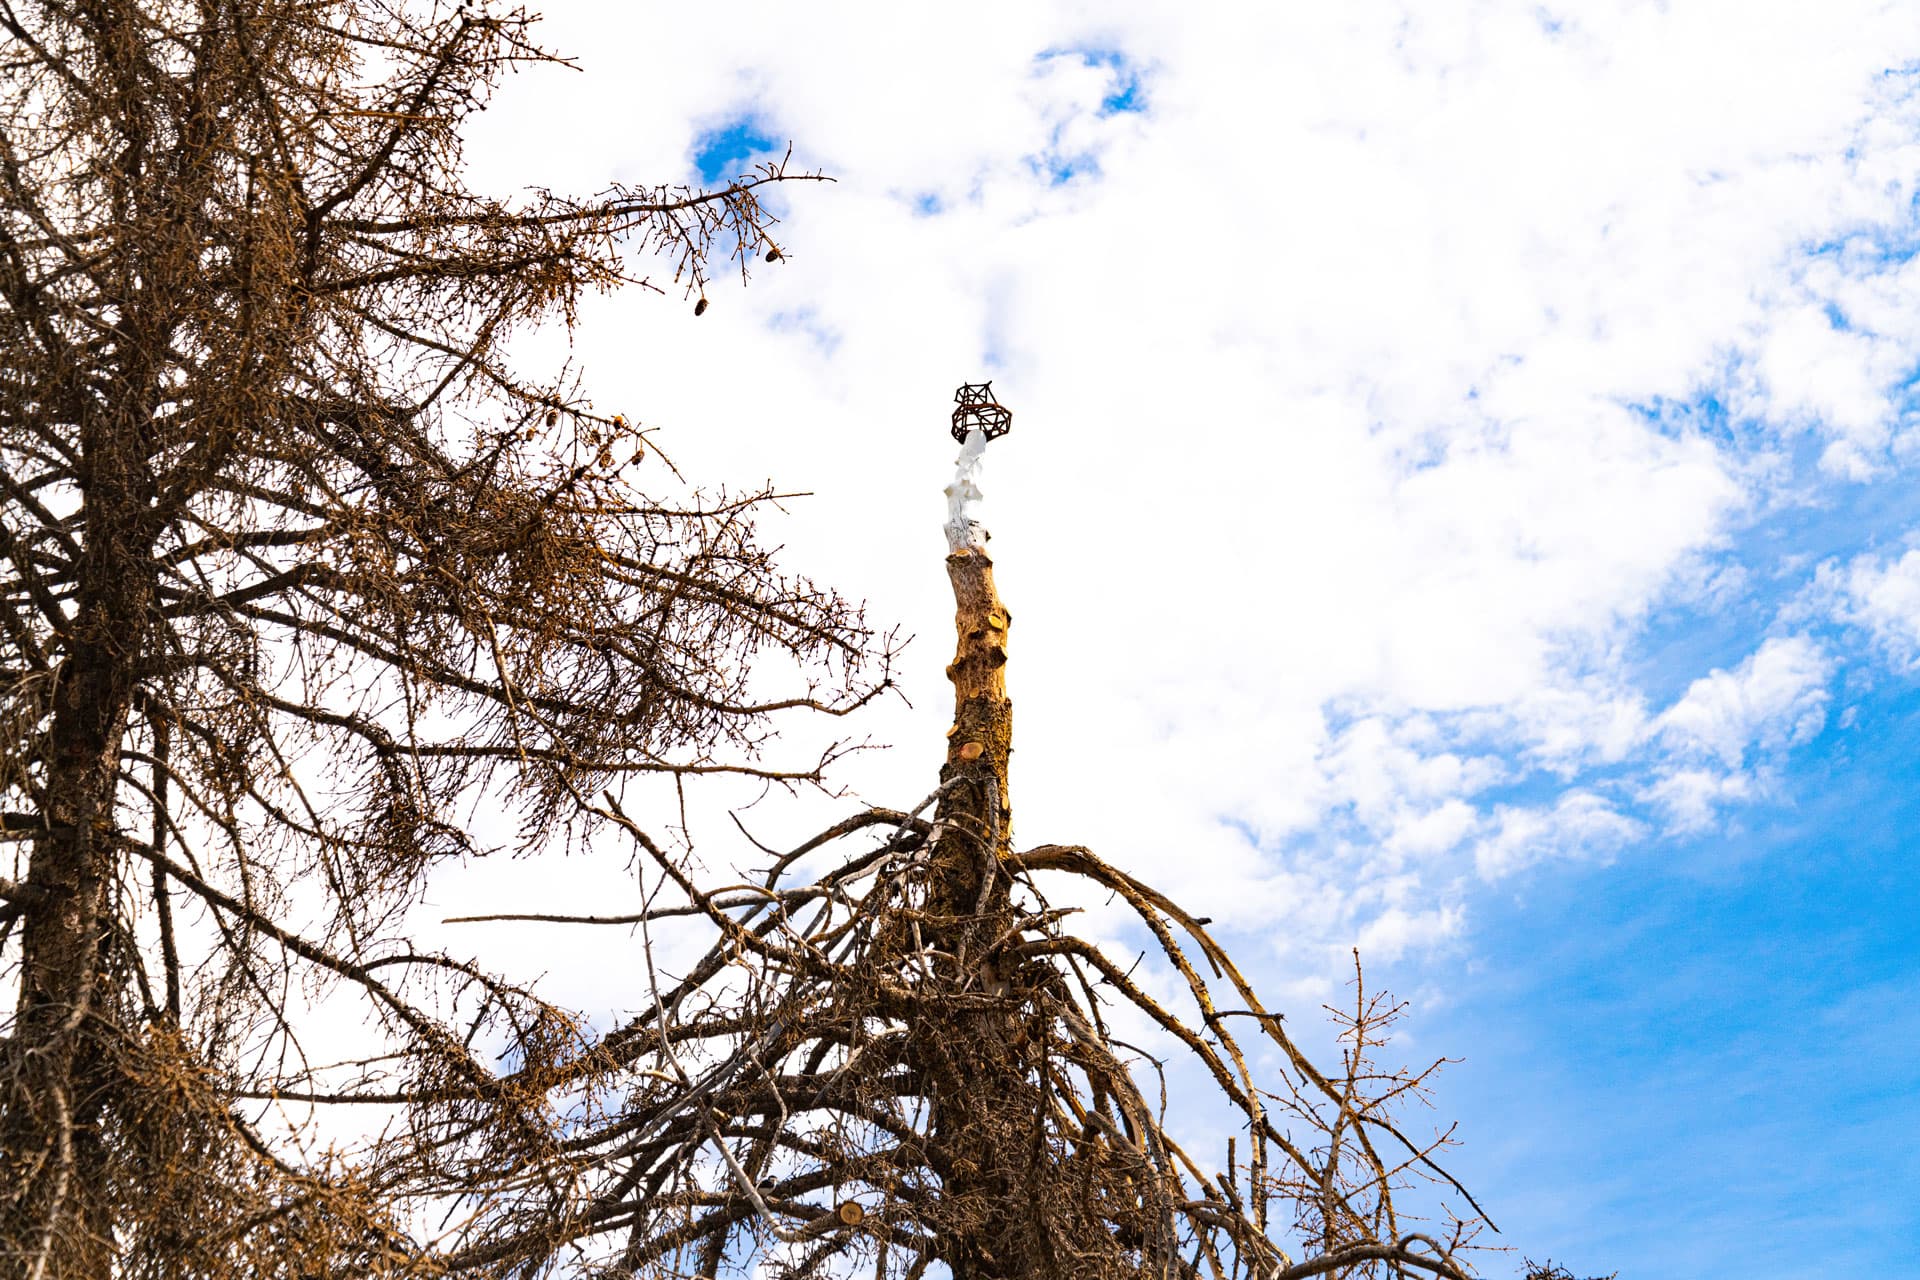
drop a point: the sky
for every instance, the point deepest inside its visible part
(1460, 505)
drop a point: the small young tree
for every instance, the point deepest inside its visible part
(294, 562)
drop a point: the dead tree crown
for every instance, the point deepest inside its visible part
(896, 1055)
(296, 568)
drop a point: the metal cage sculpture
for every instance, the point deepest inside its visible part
(979, 411)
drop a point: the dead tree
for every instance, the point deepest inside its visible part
(896, 1056)
(294, 567)
(298, 570)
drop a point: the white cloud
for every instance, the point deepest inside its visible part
(1777, 697)
(1395, 931)
(1570, 725)
(1438, 830)
(1691, 798)
(1323, 369)
(1579, 825)
(1883, 596)
(1816, 373)
(1720, 744)
(1383, 768)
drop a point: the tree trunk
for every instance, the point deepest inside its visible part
(59, 1066)
(980, 1124)
(974, 815)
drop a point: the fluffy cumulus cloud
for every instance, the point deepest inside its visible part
(1775, 698)
(1882, 595)
(1385, 376)
(1723, 739)
(1579, 824)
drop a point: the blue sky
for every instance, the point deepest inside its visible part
(1510, 416)
(1703, 1052)
(731, 148)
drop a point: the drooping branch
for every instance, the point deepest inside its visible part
(900, 1056)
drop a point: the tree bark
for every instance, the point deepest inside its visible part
(58, 1064)
(974, 814)
(978, 1120)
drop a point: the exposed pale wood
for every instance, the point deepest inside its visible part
(969, 905)
(981, 740)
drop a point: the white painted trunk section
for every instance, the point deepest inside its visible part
(964, 530)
